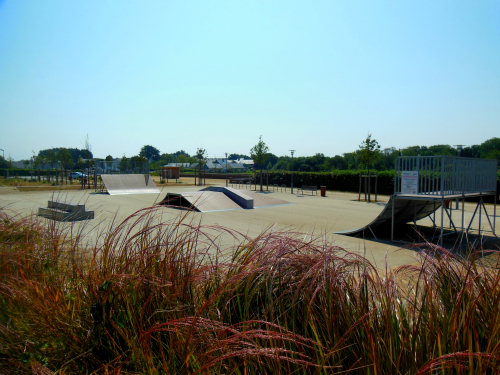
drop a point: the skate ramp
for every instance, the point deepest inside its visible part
(118, 184)
(237, 196)
(405, 210)
(265, 199)
(218, 198)
(201, 201)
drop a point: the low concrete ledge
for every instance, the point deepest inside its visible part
(65, 212)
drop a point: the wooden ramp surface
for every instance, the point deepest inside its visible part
(117, 184)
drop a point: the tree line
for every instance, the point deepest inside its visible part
(383, 159)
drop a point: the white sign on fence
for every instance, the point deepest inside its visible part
(409, 182)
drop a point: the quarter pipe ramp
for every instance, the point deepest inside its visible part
(117, 184)
(405, 210)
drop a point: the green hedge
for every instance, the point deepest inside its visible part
(14, 172)
(336, 180)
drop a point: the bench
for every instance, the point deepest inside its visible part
(312, 189)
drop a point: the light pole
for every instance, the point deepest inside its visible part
(292, 151)
(226, 170)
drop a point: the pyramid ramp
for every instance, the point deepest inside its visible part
(201, 201)
(220, 198)
(119, 184)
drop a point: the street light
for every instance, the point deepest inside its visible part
(226, 170)
(292, 151)
(459, 150)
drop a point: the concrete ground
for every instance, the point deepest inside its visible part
(314, 216)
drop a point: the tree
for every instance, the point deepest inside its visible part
(388, 157)
(138, 163)
(369, 151)
(201, 156)
(123, 164)
(41, 161)
(51, 157)
(182, 158)
(238, 156)
(80, 162)
(471, 152)
(491, 148)
(65, 161)
(37, 164)
(3, 162)
(181, 152)
(151, 153)
(260, 154)
(338, 162)
(109, 158)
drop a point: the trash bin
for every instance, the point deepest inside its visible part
(323, 191)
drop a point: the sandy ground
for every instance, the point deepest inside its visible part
(314, 216)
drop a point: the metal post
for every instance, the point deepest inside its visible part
(226, 171)
(495, 213)
(480, 212)
(291, 184)
(392, 220)
(359, 196)
(463, 212)
(442, 221)
(369, 186)
(451, 211)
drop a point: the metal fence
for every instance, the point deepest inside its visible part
(445, 175)
(112, 167)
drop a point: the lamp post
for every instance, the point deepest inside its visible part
(226, 171)
(292, 151)
(459, 150)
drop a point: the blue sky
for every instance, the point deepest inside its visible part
(314, 76)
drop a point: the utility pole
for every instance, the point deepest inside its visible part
(292, 151)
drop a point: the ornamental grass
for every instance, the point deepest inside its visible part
(145, 296)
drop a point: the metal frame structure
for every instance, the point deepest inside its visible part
(442, 179)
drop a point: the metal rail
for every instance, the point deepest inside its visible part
(446, 175)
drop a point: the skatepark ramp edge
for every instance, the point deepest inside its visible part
(119, 184)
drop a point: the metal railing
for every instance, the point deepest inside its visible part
(445, 175)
